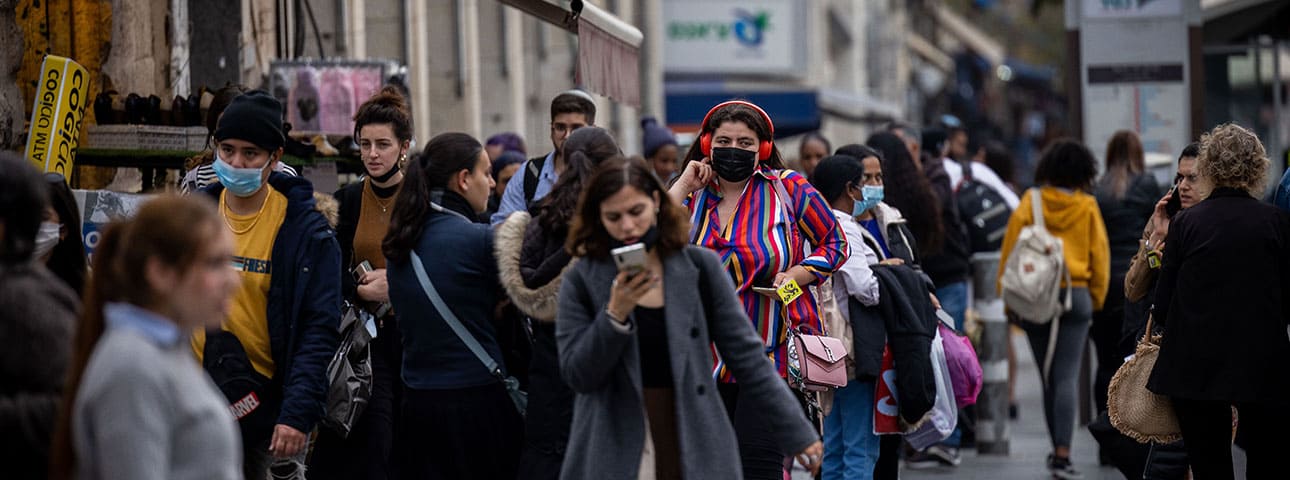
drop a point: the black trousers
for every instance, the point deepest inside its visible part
(1106, 333)
(758, 452)
(550, 410)
(367, 453)
(465, 433)
(1207, 437)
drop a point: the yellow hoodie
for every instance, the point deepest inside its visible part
(1075, 218)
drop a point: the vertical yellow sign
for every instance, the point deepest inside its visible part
(56, 116)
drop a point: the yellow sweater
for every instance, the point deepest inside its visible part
(1075, 218)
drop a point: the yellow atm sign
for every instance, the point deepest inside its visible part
(61, 99)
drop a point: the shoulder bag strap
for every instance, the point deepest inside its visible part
(452, 321)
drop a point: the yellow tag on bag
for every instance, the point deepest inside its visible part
(789, 291)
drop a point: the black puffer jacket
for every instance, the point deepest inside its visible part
(1125, 217)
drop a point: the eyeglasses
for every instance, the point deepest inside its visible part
(565, 128)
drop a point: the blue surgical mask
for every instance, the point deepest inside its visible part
(871, 195)
(242, 182)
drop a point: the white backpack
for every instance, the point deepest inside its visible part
(1033, 276)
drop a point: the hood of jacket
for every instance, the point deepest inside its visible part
(538, 303)
(1064, 209)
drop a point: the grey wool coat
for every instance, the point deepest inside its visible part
(602, 365)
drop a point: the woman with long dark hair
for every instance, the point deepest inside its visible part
(907, 189)
(532, 260)
(383, 130)
(138, 404)
(636, 344)
(59, 243)
(1126, 195)
(458, 421)
(762, 220)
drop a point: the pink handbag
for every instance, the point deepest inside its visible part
(816, 363)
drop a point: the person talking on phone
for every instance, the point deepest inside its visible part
(457, 420)
(771, 229)
(638, 318)
(383, 130)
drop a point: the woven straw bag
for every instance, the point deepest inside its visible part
(1135, 411)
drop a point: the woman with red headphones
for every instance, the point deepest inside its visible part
(770, 227)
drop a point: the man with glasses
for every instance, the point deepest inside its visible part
(570, 110)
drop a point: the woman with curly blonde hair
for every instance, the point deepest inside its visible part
(1223, 301)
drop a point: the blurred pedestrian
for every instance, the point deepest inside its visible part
(383, 127)
(59, 243)
(532, 261)
(504, 142)
(1065, 176)
(636, 343)
(814, 147)
(850, 444)
(1126, 195)
(570, 110)
(270, 357)
(660, 148)
(504, 167)
(1225, 341)
(458, 421)
(762, 220)
(138, 404)
(37, 319)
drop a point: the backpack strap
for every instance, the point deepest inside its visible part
(531, 176)
(1037, 207)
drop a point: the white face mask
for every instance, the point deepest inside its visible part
(46, 238)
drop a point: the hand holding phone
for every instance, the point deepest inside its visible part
(630, 258)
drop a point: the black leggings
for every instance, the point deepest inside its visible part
(758, 452)
(1207, 436)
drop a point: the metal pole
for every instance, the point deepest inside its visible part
(992, 406)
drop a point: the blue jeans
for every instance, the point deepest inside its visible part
(954, 301)
(850, 446)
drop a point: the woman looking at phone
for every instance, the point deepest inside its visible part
(761, 220)
(638, 353)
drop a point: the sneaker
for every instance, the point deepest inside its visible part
(948, 456)
(1061, 468)
(921, 460)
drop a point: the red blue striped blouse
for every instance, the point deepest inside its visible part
(758, 244)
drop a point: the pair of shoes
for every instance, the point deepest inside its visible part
(921, 460)
(948, 456)
(1062, 468)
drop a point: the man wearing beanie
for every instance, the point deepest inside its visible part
(270, 357)
(570, 110)
(660, 148)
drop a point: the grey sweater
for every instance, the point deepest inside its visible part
(147, 410)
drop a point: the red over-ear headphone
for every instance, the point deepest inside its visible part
(705, 140)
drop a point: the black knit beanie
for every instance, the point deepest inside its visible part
(254, 116)
(834, 173)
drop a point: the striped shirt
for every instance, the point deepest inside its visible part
(758, 244)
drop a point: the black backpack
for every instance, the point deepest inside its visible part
(532, 172)
(983, 211)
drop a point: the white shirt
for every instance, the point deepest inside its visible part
(855, 278)
(983, 174)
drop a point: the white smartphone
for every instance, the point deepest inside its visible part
(630, 258)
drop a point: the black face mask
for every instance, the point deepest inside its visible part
(733, 164)
(388, 175)
(649, 239)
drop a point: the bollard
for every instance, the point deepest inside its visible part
(992, 406)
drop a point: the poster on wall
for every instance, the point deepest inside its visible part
(1150, 100)
(101, 207)
(321, 97)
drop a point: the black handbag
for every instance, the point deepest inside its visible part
(254, 399)
(349, 374)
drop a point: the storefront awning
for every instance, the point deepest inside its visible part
(794, 112)
(608, 47)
